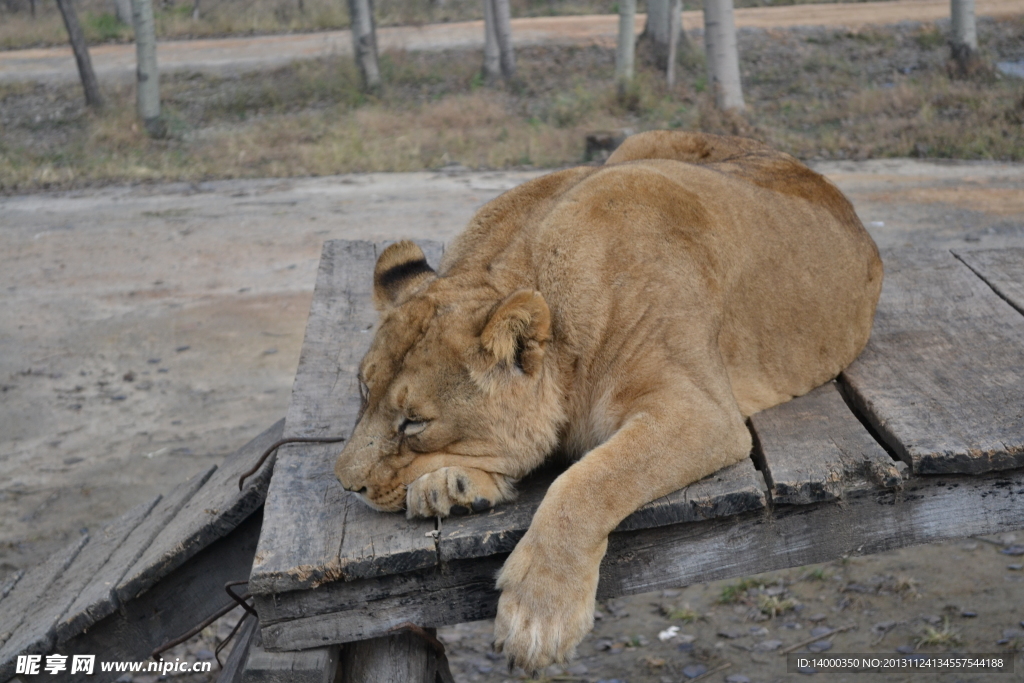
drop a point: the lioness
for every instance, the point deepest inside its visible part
(630, 315)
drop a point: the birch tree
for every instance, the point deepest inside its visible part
(626, 49)
(503, 32)
(147, 76)
(123, 11)
(499, 55)
(722, 54)
(81, 50)
(660, 30)
(364, 43)
(492, 55)
(963, 40)
(675, 19)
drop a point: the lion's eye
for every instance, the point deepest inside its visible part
(412, 427)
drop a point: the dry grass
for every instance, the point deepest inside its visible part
(944, 638)
(310, 119)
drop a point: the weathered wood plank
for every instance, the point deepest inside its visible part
(942, 378)
(212, 512)
(733, 490)
(10, 583)
(867, 520)
(397, 657)
(178, 602)
(304, 545)
(192, 521)
(814, 446)
(730, 491)
(97, 598)
(234, 666)
(18, 605)
(128, 585)
(347, 611)
(99, 581)
(1001, 269)
(38, 631)
(318, 665)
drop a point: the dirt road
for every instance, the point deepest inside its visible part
(234, 55)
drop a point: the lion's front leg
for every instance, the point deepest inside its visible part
(549, 582)
(456, 490)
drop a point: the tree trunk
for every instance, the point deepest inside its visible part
(722, 55)
(147, 81)
(675, 33)
(503, 32)
(195, 10)
(81, 50)
(123, 11)
(364, 43)
(32, 6)
(963, 40)
(492, 55)
(660, 30)
(626, 49)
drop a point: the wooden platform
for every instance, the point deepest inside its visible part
(149, 576)
(921, 439)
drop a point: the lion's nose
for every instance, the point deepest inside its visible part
(350, 481)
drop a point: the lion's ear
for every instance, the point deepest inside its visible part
(518, 330)
(400, 269)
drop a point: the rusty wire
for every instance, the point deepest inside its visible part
(237, 600)
(278, 444)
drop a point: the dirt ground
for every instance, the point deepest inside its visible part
(147, 331)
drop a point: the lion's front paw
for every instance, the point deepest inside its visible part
(456, 491)
(546, 605)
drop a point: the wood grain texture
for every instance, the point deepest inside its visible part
(133, 581)
(1001, 269)
(318, 665)
(814, 446)
(730, 491)
(347, 611)
(178, 602)
(733, 490)
(234, 666)
(19, 604)
(211, 513)
(396, 657)
(191, 522)
(38, 631)
(316, 532)
(95, 584)
(867, 520)
(942, 378)
(7, 586)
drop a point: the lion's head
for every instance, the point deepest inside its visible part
(455, 377)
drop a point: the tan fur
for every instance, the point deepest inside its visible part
(631, 316)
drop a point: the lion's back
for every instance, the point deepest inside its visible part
(724, 232)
